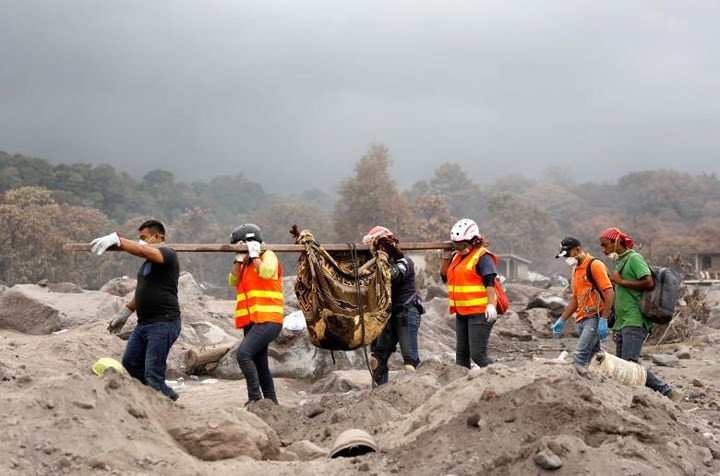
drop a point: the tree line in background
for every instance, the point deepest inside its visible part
(669, 214)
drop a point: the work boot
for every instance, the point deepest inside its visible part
(676, 396)
(409, 368)
(250, 404)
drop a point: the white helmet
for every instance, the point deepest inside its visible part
(464, 230)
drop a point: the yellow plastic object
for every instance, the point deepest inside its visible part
(101, 365)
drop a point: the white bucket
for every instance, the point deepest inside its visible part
(623, 371)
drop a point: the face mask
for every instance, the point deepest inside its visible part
(570, 261)
(613, 256)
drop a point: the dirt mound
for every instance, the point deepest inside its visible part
(514, 417)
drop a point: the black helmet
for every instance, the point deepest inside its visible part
(246, 232)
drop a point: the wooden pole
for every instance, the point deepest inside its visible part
(278, 248)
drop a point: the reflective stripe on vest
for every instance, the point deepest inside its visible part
(466, 291)
(258, 300)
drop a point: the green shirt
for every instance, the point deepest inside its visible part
(631, 266)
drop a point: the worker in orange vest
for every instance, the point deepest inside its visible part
(257, 278)
(470, 271)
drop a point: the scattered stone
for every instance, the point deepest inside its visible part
(68, 288)
(244, 434)
(683, 352)
(95, 462)
(546, 459)
(697, 383)
(136, 412)
(307, 450)
(665, 360)
(558, 448)
(516, 335)
(84, 405)
(555, 304)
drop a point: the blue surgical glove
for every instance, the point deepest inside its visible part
(602, 329)
(558, 326)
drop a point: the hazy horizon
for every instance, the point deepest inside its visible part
(293, 94)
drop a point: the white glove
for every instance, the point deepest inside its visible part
(99, 245)
(239, 257)
(117, 322)
(253, 249)
(490, 313)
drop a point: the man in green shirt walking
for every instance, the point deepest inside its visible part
(632, 276)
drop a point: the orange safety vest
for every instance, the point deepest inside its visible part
(466, 290)
(258, 300)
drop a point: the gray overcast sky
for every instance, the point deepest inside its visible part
(292, 93)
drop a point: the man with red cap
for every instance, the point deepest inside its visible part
(632, 276)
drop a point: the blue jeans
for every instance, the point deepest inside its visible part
(588, 344)
(402, 328)
(252, 357)
(628, 344)
(472, 334)
(146, 353)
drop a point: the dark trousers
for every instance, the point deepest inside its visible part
(402, 328)
(472, 334)
(146, 353)
(252, 357)
(628, 344)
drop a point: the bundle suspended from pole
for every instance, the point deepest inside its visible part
(345, 296)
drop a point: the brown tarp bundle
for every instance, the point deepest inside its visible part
(327, 290)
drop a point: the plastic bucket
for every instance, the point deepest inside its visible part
(622, 371)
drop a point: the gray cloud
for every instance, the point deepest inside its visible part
(293, 93)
